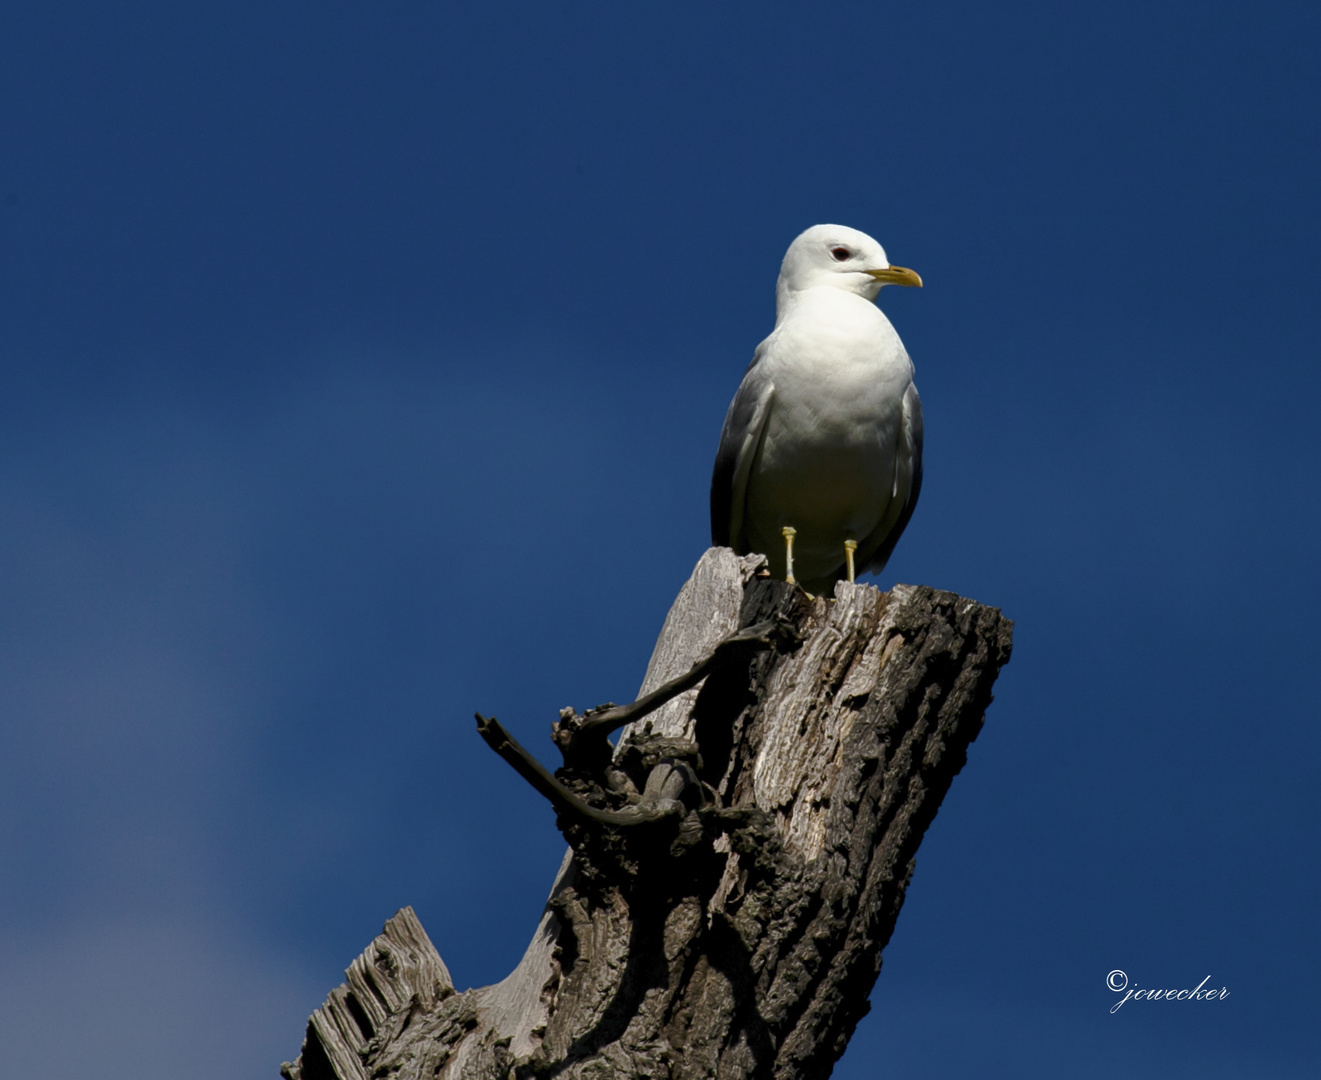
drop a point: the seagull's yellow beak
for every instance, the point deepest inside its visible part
(896, 275)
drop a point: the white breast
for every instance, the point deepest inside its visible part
(827, 462)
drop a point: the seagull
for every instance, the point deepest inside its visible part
(820, 458)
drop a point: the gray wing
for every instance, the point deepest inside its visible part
(908, 477)
(740, 438)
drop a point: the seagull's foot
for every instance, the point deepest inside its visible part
(789, 532)
(850, 546)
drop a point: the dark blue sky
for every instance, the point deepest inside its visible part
(362, 365)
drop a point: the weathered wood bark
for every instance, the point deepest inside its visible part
(739, 933)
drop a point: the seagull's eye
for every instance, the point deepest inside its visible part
(840, 254)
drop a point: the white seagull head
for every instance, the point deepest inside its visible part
(837, 257)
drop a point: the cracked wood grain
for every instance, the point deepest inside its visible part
(741, 938)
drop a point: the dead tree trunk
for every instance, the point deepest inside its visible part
(736, 866)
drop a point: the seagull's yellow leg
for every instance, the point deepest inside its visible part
(789, 532)
(850, 546)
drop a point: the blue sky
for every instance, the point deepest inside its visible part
(361, 366)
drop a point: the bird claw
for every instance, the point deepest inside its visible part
(789, 532)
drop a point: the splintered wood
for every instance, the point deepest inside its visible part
(743, 939)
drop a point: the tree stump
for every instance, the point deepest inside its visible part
(736, 865)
